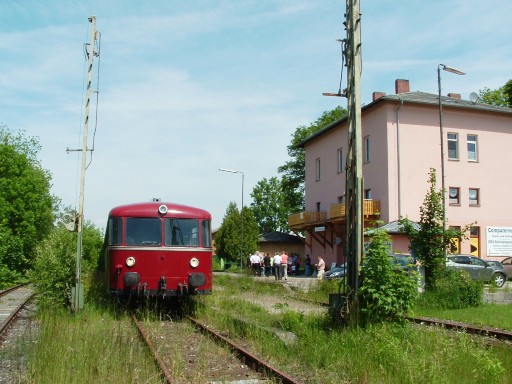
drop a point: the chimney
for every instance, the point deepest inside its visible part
(401, 86)
(454, 95)
(377, 95)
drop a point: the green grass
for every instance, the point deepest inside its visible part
(91, 347)
(383, 353)
(492, 315)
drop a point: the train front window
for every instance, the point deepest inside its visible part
(143, 231)
(115, 231)
(207, 234)
(182, 232)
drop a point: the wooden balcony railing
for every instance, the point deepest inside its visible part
(336, 212)
(306, 217)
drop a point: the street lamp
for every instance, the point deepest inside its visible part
(441, 134)
(242, 213)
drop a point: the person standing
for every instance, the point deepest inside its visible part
(284, 264)
(320, 267)
(308, 265)
(277, 266)
(266, 264)
(255, 263)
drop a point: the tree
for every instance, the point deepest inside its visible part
(501, 97)
(228, 241)
(293, 171)
(55, 263)
(269, 206)
(430, 242)
(26, 205)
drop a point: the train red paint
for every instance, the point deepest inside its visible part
(158, 249)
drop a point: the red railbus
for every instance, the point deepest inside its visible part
(157, 249)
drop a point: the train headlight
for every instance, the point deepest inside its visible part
(194, 262)
(162, 209)
(130, 261)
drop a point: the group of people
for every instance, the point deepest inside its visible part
(281, 264)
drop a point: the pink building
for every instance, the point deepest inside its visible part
(401, 142)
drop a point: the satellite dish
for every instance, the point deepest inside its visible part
(473, 97)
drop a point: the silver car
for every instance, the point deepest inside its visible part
(478, 269)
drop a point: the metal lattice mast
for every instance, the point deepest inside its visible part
(354, 175)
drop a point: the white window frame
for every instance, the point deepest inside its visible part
(453, 138)
(317, 169)
(340, 160)
(454, 195)
(472, 142)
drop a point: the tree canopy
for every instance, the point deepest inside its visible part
(269, 206)
(501, 97)
(26, 205)
(228, 241)
(293, 171)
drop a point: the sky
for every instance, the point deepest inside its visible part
(187, 87)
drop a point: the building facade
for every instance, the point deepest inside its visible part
(401, 143)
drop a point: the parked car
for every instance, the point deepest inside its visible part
(478, 269)
(507, 264)
(337, 272)
(403, 261)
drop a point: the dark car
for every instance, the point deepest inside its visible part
(507, 264)
(478, 269)
(336, 272)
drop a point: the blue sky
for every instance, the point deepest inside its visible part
(187, 87)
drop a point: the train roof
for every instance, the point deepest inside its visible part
(153, 209)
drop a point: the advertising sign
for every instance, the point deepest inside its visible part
(499, 241)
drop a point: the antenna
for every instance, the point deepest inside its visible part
(473, 97)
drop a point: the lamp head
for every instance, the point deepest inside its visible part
(451, 69)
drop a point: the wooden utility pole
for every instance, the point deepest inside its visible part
(354, 166)
(77, 292)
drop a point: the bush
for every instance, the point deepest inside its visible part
(454, 289)
(387, 293)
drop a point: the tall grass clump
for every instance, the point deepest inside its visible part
(454, 289)
(91, 347)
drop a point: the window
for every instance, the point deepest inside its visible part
(366, 149)
(454, 195)
(182, 232)
(317, 177)
(115, 231)
(318, 206)
(340, 160)
(368, 194)
(453, 146)
(207, 234)
(474, 196)
(143, 231)
(472, 148)
(340, 199)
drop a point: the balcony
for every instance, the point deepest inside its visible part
(301, 220)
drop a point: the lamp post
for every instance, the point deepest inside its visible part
(242, 213)
(441, 134)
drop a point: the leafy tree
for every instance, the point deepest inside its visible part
(55, 263)
(430, 242)
(26, 205)
(229, 235)
(293, 171)
(387, 293)
(269, 206)
(501, 97)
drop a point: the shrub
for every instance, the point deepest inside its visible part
(387, 293)
(454, 289)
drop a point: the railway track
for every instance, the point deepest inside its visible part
(12, 301)
(500, 334)
(189, 351)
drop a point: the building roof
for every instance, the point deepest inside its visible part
(279, 237)
(415, 98)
